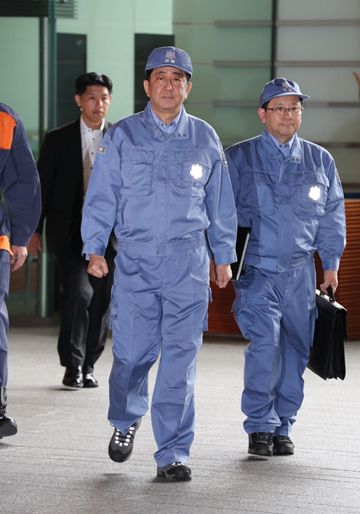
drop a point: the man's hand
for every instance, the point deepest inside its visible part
(34, 246)
(222, 274)
(18, 257)
(330, 279)
(97, 266)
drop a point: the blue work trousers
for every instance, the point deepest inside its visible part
(4, 319)
(276, 312)
(159, 305)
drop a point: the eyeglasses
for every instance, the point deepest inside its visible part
(283, 110)
(176, 82)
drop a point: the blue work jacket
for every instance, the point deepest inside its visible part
(20, 201)
(159, 190)
(293, 205)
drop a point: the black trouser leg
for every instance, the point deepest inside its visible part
(84, 311)
(99, 313)
(75, 298)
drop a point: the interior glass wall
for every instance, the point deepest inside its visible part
(318, 45)
(19, 64)
(230, 46)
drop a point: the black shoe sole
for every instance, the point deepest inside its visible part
(180, 476)
(261, 452)
(90, 385)
(73, 387)
(118, 458)
(284, 451)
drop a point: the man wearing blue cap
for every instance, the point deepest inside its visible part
(161, 181)
(288, 191)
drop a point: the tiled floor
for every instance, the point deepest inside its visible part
(58, 461)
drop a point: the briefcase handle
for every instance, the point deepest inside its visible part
(330, 293)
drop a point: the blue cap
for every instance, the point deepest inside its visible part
(169, 56)
(280, 87)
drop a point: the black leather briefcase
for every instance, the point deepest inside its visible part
(327, 357)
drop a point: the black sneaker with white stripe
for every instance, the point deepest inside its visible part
(121, 445)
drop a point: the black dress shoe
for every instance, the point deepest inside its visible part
(283, 445)
(73, 378)
(261, 443)
(177, 472)
(8, 427)
(90, 381)
(121, 445)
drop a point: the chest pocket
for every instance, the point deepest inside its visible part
(137, 171)
(311, 195)
(257, 191)
(192, 171)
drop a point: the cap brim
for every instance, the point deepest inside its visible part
(149, 68)
(303, 97)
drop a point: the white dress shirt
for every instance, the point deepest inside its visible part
(90, 141)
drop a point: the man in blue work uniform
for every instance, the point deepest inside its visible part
(288, 191)
(19, 213)
(161, 180)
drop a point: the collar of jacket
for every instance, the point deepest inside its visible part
(77, 125)
(296, 154)
(182, 130)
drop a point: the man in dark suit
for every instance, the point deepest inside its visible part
(65, 163)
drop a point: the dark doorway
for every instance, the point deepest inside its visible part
(71, 62)
(144, 43)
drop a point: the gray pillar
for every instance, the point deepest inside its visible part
(47, 120)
